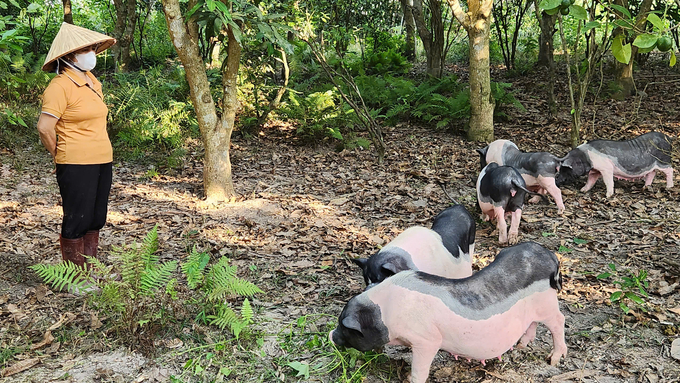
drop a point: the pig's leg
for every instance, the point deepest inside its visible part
(501, 225)
(555, 324)
(649, 178)
(514, 227)
(422, 360)
(528, 336)
(593, 176)
(669, 177)
(608, 178)
(548, 183)
(537, 198)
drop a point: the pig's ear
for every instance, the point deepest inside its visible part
(361, 262)
(391, 268)
(352, 323)
(568, 163)
(482, 151)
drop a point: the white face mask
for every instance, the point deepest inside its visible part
(86, 61)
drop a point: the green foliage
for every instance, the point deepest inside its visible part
(386, 62)
(319, 114)
(136, 302)
(632, 288)
(150, 111)
(504, 96)
(64, 275)
(438, 102)
(310, 354)
(216, 286)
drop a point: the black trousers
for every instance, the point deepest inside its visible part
(85, 197)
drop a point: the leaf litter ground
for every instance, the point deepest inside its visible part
(304, 211)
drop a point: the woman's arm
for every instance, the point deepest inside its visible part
(48, 133)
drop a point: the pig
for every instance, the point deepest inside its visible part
(538, 169)
(457, 228)
(500, 192)
(419, 248)
(632, 159)
(479, 317)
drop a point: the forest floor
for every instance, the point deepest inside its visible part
(303, 212)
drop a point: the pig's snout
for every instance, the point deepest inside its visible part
(330, 337)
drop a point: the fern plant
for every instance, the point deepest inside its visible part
(132, 293)
(217, 286)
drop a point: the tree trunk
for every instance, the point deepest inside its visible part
(481, 100)
(410, 25)
(68, 14)
(123, 31)
(545, 40)
(215, 133)
(545, 54)
(433, 42)
(477, 23)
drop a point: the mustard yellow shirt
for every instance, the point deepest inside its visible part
(81, 112)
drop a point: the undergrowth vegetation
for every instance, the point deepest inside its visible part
(309, 336)
(140, 296)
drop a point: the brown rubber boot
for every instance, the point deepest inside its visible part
(91, 241)
(72, 250)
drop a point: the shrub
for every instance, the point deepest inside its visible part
(134, 296)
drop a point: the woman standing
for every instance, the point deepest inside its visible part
(72, 128)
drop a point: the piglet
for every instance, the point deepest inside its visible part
(479, 317)
(457, 228)
(419, 248)
(632, 159)
(500, 192)
(538, 169)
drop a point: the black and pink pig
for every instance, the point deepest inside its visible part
(500, 193)
(479, 317)
(444, 250)
(633, 159)
(538, 169)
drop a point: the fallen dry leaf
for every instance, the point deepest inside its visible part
(578, 374)
(47, 340)
(675, 349)
(65, 318)
(19, 366)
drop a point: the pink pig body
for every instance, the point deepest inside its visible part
(479, 317)
(637, 158)
(442, 329)
(605, 167)
(429, 254)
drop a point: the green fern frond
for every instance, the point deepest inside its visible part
(233, 286)
(156, 277)
(194, 267)
(131, 266)
(149, 248)
(220, 273)
(224, 317)
(62, 275)
(238, 327)
(247, 311)
(98, 268)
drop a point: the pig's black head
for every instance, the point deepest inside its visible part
(376, 271)
(575, 165)
(482, 156)
(360, 325)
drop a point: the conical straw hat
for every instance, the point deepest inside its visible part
(71, 38)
